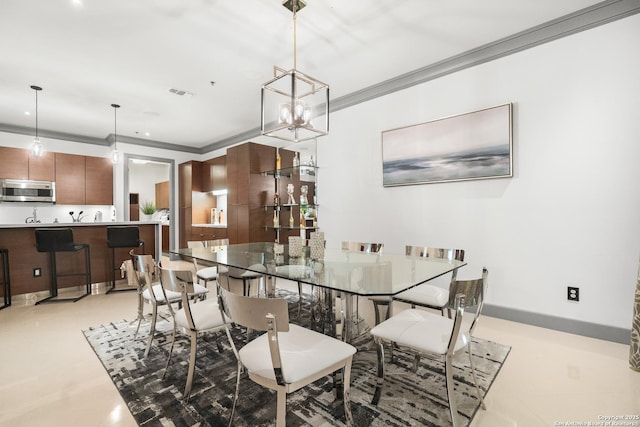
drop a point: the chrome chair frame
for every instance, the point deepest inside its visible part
(280, 345)
(207, 274)
(437, 253)
(203, 317)
(146, 270)
(465, 294)
(369, 248)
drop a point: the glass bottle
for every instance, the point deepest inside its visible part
(296, 160)
(276, 199)
(278, 159)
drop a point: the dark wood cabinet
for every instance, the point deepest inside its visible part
(249, 190)
(70, 179)
(162, 195)
(14, 163)
(214, 174)
(99, 181)
(43, 168)
(190, 179)
(208, 233)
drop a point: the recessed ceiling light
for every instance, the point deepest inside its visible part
(76, 3)
(147, 134)
(26, 113)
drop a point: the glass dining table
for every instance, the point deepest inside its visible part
(347, 273)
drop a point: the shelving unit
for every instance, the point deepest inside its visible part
(298, 176)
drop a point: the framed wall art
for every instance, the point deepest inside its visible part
(476, 145)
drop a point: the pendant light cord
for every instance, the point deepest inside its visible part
(295, 8)
(36, 114)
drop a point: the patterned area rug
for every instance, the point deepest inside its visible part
(408, 398)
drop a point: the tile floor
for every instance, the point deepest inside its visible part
(50, 377)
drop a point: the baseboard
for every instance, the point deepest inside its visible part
(578, 327)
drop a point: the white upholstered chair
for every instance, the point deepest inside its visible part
(287, 357)
(369, 248)
(192, 319)
(430, 295)
(207, 274)
(152, 292)
(425, 332)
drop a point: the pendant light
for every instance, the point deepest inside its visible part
(37, 150)
(115, 155)
(292, 100)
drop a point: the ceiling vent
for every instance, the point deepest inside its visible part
(180, 92)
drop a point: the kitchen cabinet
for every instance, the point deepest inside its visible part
(134, 207)
(208, 233)
(214, 174)
(42, 168)
(14, 163)
(162, 195)
(70, 179)
(18, 163)
(190, 179)
(83, 180)
(99, 181)
(249, 189)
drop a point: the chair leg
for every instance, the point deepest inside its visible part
(475, 379)
(299, 298)
(235, 396)
(173, 341)
(281, 413)
(448, 375)
(192, 365)
(152, 330)
(380, 379)
(345, 394)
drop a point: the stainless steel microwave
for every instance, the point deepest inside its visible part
(16, 190)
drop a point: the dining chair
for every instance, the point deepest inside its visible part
(207, 274)
(425, 332)
(370, 248)
(430, 295)
(255, 272)
(192, 319)
(287, 357)
(150, 291)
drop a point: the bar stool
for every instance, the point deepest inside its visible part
(54, 240)
(5, 282)
(121, 237)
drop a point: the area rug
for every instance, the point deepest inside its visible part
(408, 398)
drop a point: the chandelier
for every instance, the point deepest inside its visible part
(295, 106)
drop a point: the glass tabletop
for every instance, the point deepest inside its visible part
(357, 273)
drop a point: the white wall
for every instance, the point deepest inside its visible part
(569, 216)
(144, 177)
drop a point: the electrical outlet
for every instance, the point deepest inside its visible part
(37, 272)
(573, 293)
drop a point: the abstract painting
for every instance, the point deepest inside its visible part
(475, 145)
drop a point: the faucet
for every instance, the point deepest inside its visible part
(77, 218)
(32, 219)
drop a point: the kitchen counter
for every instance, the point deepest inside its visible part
(20, 240)
(210, 225)
(76, 224)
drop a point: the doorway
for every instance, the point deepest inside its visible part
(154, 170)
